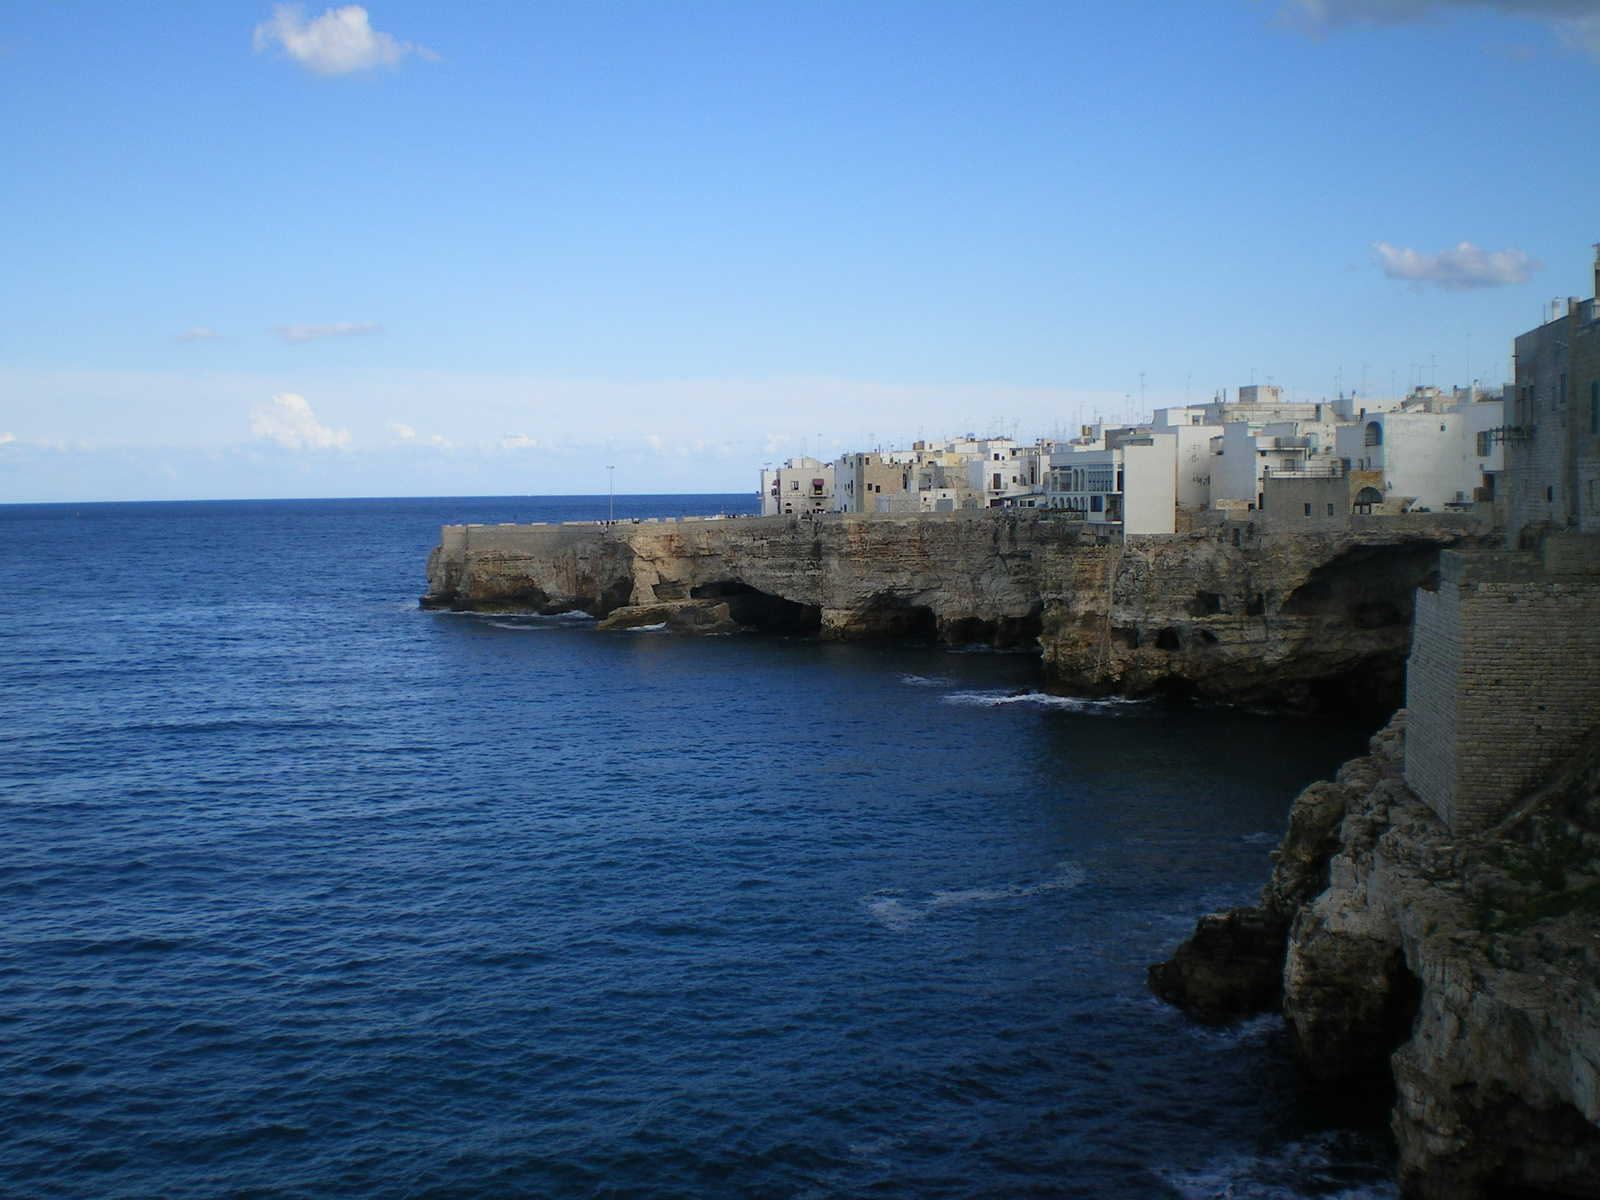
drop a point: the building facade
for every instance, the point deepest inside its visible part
(801, 486)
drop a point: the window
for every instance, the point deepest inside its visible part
(794, 485)
(1330, 510)
(1374, 434)
(1485, 444)
(1550, 494)
(996, 485)
(1096, 504)
(1366, 498)
(1308, 510)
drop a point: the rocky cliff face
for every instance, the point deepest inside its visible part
(1469, 968)
(1240, 611)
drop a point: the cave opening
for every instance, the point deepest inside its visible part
(761, 610)
(889, 616)
(1000, 632)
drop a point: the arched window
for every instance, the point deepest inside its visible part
(1365, 499)
(1374, 434)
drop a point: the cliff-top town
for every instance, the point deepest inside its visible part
(1253, 451)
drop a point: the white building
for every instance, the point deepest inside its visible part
(1432, 451)
(1193, 461)
(1133, 483)
(1246, 450)
(802, 485)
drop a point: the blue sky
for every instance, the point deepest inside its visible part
(491, 248)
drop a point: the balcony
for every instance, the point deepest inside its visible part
(1336, 469)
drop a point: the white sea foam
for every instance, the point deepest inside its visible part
(892, 910)
(1112, 706)
(926, 681)
(656, 628)
(1260, 839)
(1327, 1166)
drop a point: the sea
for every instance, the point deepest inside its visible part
(305, 892)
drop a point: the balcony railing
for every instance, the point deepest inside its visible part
(1331, 470)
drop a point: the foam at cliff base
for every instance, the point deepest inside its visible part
(1318, 1166)
(1112, 706)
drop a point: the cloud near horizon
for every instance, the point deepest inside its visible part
(295, 334)
(197, 333)
(341, 41)
(1575, 22)
(287, 420)
(1458, 269)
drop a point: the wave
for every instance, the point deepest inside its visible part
(926, 681)
(1111, 706)
(1331, 1166)
(890, 909)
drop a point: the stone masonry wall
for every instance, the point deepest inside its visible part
(1433, 683)
(1502, 682)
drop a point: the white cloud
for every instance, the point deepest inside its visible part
(519, 441)
(7, 437)
(339, 42)
(287, 420)
(196, 333)
(1459, 268)
(1576, 22)
(295, 334)
(404, 432)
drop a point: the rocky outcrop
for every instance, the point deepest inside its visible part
(1243, 611)
(1468, 968)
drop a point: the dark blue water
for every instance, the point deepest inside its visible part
(304, 892)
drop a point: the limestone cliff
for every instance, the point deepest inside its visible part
(1250, 612)
(1470, 968)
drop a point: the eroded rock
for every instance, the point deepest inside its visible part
(1228, 610)
(1468, 968)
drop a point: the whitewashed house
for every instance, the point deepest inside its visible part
(1432, 451)
(801, 485)
(1131, 484)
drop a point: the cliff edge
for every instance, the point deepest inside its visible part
(1257, 612)
(1468, 968)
